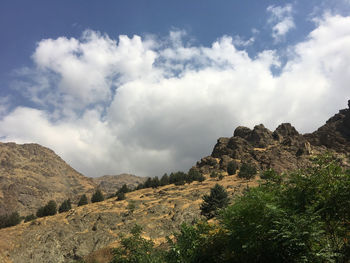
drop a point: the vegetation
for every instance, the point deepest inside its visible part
(216, 200)
(232, 168)
(120, 196)
(178, 178)
(65, 206)
(10, 220)
(83, 200)
(49, 209)
(136, 249)
(247, 171)
(300, 217)
(30, 217)
(97, 196)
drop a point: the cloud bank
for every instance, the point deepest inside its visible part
(153, 105)
(282, 20)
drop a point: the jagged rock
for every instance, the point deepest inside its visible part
(242, 132)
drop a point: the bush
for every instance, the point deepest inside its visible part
(136, 249)
(217, 199)
(49, 209)
(83, 200)
(232, 168)
(214, 175)
(65, 206)
(164, 180)
(120, 196)
(124, 189)
(10, 220)
(247, 171)
(97, 196)
(30, 217)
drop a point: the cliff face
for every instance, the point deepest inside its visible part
(31, 175)
(284, 149)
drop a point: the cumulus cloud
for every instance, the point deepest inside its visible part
(152, 106)
(282, 20)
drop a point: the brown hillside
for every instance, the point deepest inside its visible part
(31, 175)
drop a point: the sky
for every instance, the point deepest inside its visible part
(147, 87)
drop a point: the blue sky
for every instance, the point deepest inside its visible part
(147, 87)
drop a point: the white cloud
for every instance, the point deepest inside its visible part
(282, 20)
(151, 106)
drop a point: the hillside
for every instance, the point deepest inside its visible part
(76, 234)
(110, 183)
(31, 175)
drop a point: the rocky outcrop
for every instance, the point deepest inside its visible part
(283, 149)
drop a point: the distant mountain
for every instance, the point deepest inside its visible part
(110, 183)
(31, 175)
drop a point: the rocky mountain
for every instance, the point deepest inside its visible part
(283, 149)
(31, 175)
(110, 183)
(91, 230)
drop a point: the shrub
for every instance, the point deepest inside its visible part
(120, 196)
(83, 200)
(65, 206)
(30, 217)
(124, 189)
(136, 249)
(247, 171)
(97, 196)
(214, 175)
(232, 168)
(217, 199)
(10, 220)
(48, 210)
(164, 180)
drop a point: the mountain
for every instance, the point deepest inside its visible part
(31, 175)
(90, 231)
(284, 149)
(110, 183)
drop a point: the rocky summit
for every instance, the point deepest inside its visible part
(88, 232)
(284, 149)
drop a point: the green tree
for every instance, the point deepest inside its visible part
(247, 171)
(97, 196)
(30, 217)
(65, 206)
(136, 249)
(164, 180)
(120, 196)
(124, 189)
(48, 210)
(83, 200)
(232, 168)
(217, 199)
(10, 220)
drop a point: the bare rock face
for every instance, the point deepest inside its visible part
(283, 149)
(31, 175)
(335, 134)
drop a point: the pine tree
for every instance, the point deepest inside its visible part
(65, 206)
(217, 199)
(83, 200)
(97, 196)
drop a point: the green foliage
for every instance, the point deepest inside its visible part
(124, 189)
(65, 206)
(131, 206)
(164, 180)
(247, 171)
(49, 209)
(217, 199)
(136, 249)
(30, 217)
(194, 175)
(120, 196)
(232, 168)
(220, 177)
(214, 174)
(9, 220)
(83, 200)
(97, 196)
(303, 218)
